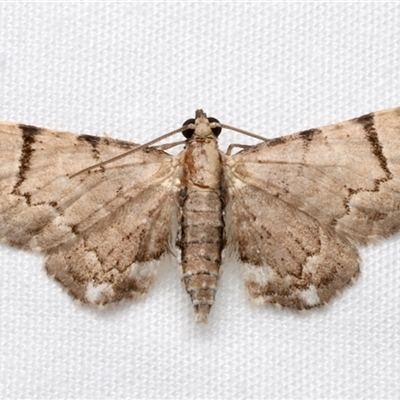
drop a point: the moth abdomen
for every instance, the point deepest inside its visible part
(201, 242)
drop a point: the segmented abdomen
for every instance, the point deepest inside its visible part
(201, 243)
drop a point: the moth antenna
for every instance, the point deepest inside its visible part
(140, 147)
(162, 137)
(253, 135)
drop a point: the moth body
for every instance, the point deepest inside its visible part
(201, 229)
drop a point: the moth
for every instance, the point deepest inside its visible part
(292, 210)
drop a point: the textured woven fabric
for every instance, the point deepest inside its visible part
(136, 71)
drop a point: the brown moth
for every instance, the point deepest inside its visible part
(292, 210)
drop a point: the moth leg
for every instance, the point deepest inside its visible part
(167, 146)
(240, 146)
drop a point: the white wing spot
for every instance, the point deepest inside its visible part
(95, 294)
(310, 296)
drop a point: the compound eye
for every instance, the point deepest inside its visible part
(216, 131)
(188, 133)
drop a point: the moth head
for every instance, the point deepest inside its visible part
(201, 118)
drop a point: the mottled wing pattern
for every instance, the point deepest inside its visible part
(298, 205)
(103, 230)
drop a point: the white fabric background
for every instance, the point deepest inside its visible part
(137, 71)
